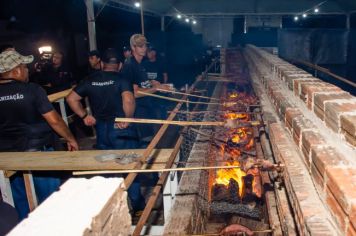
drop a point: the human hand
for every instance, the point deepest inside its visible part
(89, 120)
(72, 145)
(123, 125)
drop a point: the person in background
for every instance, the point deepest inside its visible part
(156, 72)
(27, 122)
(134, 71)
(156, 68)
(127, 53)
(110, 96)
(54, 76)
(94, 61)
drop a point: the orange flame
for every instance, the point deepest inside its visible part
(223, 176)
(233, 95)
(235, 116)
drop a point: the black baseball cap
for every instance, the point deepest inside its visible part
(94, 53)
(125, 48)
(110, 56)
(151, 47)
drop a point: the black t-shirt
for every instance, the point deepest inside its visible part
(104, 91)
(137, 74)
(60, 79)
(21, 121)
(155, 70)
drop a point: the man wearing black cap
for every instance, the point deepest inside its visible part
(110, 96)
(26, 122)
(94, 61)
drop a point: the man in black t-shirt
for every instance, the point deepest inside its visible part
(155, 68)
(94, 61)
(136, 73)
(26, 122)
(110, 96)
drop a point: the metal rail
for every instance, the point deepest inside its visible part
(326, 71)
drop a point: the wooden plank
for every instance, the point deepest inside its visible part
(80, 160)
(30, 190)
(56, 96)
(157, 189)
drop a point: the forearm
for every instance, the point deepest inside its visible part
(57, 124)
(62, 130)
(145, 90)
(77, 107)
(129, 109)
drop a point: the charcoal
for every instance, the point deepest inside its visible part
(219, 192)
(234, 191)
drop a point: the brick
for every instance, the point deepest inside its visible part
(311, 90)
(308, 88)
(334, 110)
(310, 139)
(318, 180)
(337, 212)
(290, 79)
(298, 82)
(299, 124)
(348, 125)
(326, 157)
(342, 183)
(291, 113)
(321, 98)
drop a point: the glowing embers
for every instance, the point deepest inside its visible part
(236, 116)
(240, 137)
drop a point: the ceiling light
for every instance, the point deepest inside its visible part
(316, 10)
(179, 16)
(194, 22)
(187, 20)
(137, 4)
(305, 15)
(296, 18)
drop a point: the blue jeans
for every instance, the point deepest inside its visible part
(45, 183)
(108, 137)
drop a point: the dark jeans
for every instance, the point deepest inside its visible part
(45, 183)
(109, 137)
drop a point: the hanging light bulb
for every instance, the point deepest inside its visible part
(179, 16)
(137, 4)
(296, 18)
(305, 15)
(316, 10)
(194, 22)
(187, 20)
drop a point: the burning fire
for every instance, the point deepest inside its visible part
(235, 116)
(233, 95)
(240, 134)
(223, 176)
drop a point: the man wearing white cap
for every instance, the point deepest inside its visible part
(27, 121)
